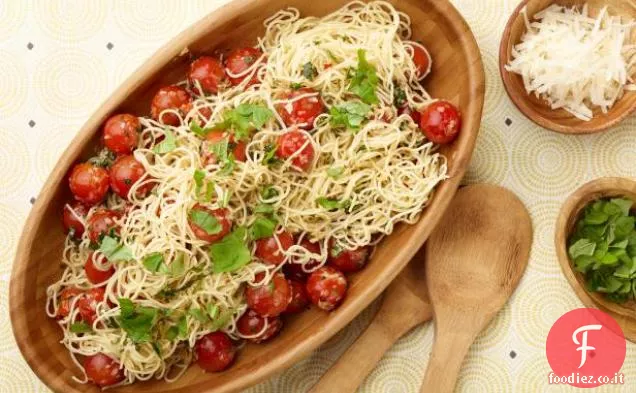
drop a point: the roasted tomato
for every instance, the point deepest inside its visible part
(303, 111)
(298, 271)
(88, 302)
(236, 147)
(422, 60)
(210, 74)
(170, 97)
(209, 225)
(88, 183)
(268, 251)
(348, 261)
(215, 352)
(441, 122)
(125, 172)
(97, 275)
(415, 115)
(271, 299)
(326, 288)
(103, 370)
(66, 298)
(300, 300)
(252, 324)
(73, 218)
(239, 61)
(121, 133)
(102, 223)
(291, 142)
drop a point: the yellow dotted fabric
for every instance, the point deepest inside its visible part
(59, 59)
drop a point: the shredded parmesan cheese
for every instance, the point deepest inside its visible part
(575, 61)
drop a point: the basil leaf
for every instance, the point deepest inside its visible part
(596, 218)
(264, 208)
(177, 266)
(309, 71)
(172, 333)
(351, 114)
(205, 221)
(244, 118)
(270, 192)
(153, 261)
(167, 145)
(80, 327)
(262, 227)
(582, 247)
(198, 314)
(222, 319)
(137, 321)
(624, 204)
(335, 172)
(365, 80)
(182, 325)
(230, 253)
(333, 204)
(115, 251)
(198, 176)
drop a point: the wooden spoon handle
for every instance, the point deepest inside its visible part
(446, 360)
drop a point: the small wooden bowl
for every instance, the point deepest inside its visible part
(607, 187)
(457, 75)
(537, 109)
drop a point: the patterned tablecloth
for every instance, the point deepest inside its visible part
(59, 59)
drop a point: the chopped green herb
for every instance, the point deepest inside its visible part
(205, 221)
(269, 192)
(198, 314)
(245, 118)
(262, 227)
(296, 86)
(222, 318)
(364, 80)
(137, 321)
(80, 327)
(177, 266)
(172, 333)
(198, 130)
(198, 176)
(264, 208)
(114, 251)
(153, 261)
(332, 204)
(335, 172)
(167, 145)
(182, 325)
(270, 155)
(230, 253)
(399, 97)
(351, 114)
(309, 71)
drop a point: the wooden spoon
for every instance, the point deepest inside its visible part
(537, 109)
(477, 254)
(405, 305)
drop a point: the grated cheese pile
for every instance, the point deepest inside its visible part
(574, 61)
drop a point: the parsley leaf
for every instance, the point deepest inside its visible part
(262, 227)
(244, 118)
(230, 253)
(153, 261)
(205, 221)
(137, 321)
(335, 171)
(80, 327)
(351, 114)
(167, 145)
(365, 80)
(309, 71)
(114, 251)
(198, 130)
(333, 204)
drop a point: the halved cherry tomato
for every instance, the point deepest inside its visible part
(170, 97)
(271, 299)
(214, 137)
(303, 111)
(268, 251)
(101, 223)
(326, 288)
(215, 352)
(73, 218)
(87, 304)
(121, 133)
(125, 172)
(209, 72)
(251, 323)
(220, 215)
(103, 370)
(348, 261)
(422, 60)
(291, 142)
(441, 122)
(88, 183)
(297, 271)
(94, 274)
(66, 298)
(239, 61)
(415, 115)
(300, 299)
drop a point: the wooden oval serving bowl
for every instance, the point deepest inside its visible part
(607, 187)
(537, 109)
(457, 75)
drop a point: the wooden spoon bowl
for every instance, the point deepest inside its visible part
(457, 75)
(537, 109)
(609, 187)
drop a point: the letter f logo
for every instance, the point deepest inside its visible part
(584, 347)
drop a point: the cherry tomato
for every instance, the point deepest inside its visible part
(101, 223)
(348, 261)
(66, 298)
(297, 271)
(214, 137)
(303, 111)
(125, 172)
(209, 72)
(215, 352)
(251, 323)
(96, 275)
(422, 60)
(268, 251)
(170, 97)
(73, 218)
(103, 370)
(326, 288)
(121, 133)
(441, 122)
(300, 300)
(292, 141)
(220, 215)
(415, 115)
(271, 299)
(88, 183)
(239, 61)
(87, 304)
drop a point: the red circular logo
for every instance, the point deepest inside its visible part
(585, 348)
